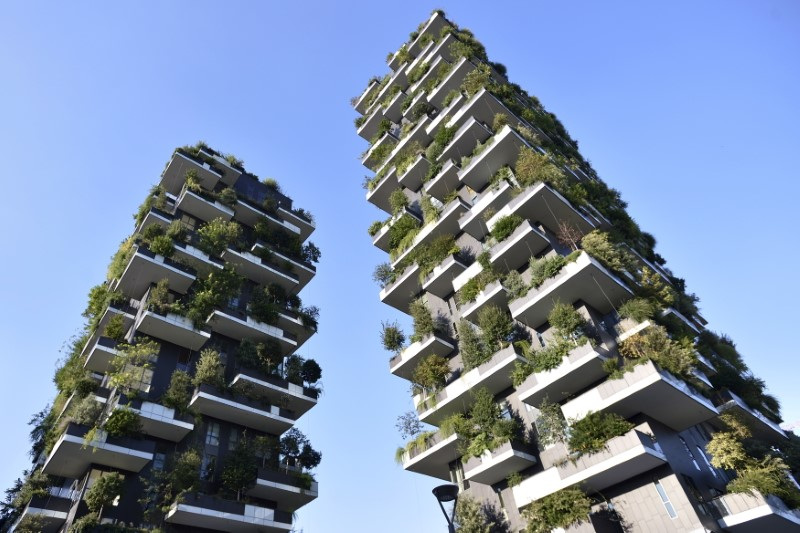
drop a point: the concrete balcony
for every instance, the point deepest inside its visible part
(174, 176)
(393, 110)
(229, 172)
(456, 397)
(403, 364)
(515, 250)
(369, 127)
(670, 312)
(624, 457)
(466, 138)
(435, 457)
(420, 97)
(296, 398)
(72, 455)
(371, 159)
(146, 268)
(162, 422)
(762, 427)
(706, 365)
(494, 294)
(51, 511)
(433, 28)
(649, 390)
(436, 63)
(445, 182)
(540, 202)
(361, 102)
(440, 281)
(126, 311)
(581, 367)
(379, 194)
(172, 328)
(473, 221)
(495, 465)
(381, 239)
(447, 223)
(250, 214)
(443, 117)
(200, 261)
(451, 82)
(755, 513)
(160, 217)
(260, 270)
(504, 151)
(582, 279)
(284, 488)
(202, 206)
(403, 290)
(202, 512)
(238, 325)
(306, 226)
(209, 401)
(418, 134)
(397, 79)
(411, 179)
(483, 106)
(100, 355)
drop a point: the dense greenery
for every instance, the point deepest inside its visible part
(178, 393)
(123, 422)
(505, 226)
(104, 491)
(424, 323)
(431, 373)
(209, 369)
(392, 337)
(217, 235)
(482, 428)
(561, 509)
(591, 433)
(654, 344)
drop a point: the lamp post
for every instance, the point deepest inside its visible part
(445, 494)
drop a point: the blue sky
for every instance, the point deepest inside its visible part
(689, 108)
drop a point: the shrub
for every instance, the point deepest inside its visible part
(218, 234)
(440, 141)
(115, 328)
(449, 97)
(178, 393)
(475, 80)
(654, 344)
(104, 491)
(651, 286)
(209, 369)
(392, 336)
(297, 451)
(484, 428)
(533, 167)
(638, 309)
(424, 324)
(496, 326)
(240, 469)
(418, 72)
(400, 231)
(561, 509)
(500, 120)
(566, 319)
(120, 259)
(375, 227)
(384, 274)
(420, 109)
(398, 201)
(544, 268)
(590, 434)
(470, 290)
(470, 516)
(472, 350)
(213, 292)
(87, 411)
(598, 244)
(263, 305)
(431, 373)
(123, 422)
(430, 212)
(515, 286)
(505, 226)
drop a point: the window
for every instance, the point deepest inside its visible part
(665, 499)
(233, 439)
(184, 356)
(208, 466)
(689, 453)
(189, 222)
(212, 434)
(704, 457)
(158, 461)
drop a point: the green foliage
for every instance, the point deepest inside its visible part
(129, 364)
(561, 509)
(421, 109)
(430, 213)
(418, 72)
(449, 97)
(652, 287)
(398, 201)
(162, 245)
(297, 450)
(392, 337)
(402, 232)
(264, 304)
(598, 244)
(424, 323)
(123, 422)
(213, 292)
(218, 234)
(375, 227)
(209, 369)
(469, 516)
(542, 360)
(178, 393)
(544, 268)
(590, 434)
(654, 344)
(638, 309)
(483, 428)
(515, 286)
(441, 139)
(476, 79)
(272, 184)
(120, 259)
(429, 256)
(472, 349)
(115, 328)
(470, 290)
(240, 469)
(568, 322)
(496, 326)
(433, 81)
(505, 226)
(500, 120)
(157, 198)
(551, 426)
(85, 524)
(431, 373)
(533, 167)
(104, 491)
(384, 274)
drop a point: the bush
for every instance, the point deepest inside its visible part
(209, 369)
(263, 305)
(652, 286)
(500, 120)
(104, 491)
(590, 434)
(404, 228)
(505, 226)
(440, 140)
(544, 268)
(533, 167)
(566, 320)
(472, 350)
(392, 337)
(115, 328)
(430, 213)
(88, 411)
(484, 428)
(218, 234)
(431, 373)
(227, 196)
(398, 201)
(424, 324)
(638, 309)
(561, 509)
(496, 326)
(375, 227)
(654, 344)
(123, 422)
(515, 286)
(384, 274)
(178, 393)
(475, 80)
(598, 244)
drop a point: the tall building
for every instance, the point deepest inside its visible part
(564, 374)
(175, 408)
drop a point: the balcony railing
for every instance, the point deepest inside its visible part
(762, 426)
(404, 363)
(284, 488)
(208, 400)
(207, 512)
(754, 512)
(297, 398)
(146, 268)
(434, 458)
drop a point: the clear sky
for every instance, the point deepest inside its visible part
(689, 108)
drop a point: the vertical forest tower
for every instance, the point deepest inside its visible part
(563, 372)
(176, 407)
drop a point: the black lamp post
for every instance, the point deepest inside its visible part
(445, 494)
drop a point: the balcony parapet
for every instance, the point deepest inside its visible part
(202, 511)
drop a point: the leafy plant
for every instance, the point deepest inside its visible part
(218, 234)
(213, 292)
(533, 167)
(87, 411)
(470, 517)
(483, 427)
(440, 140)
(654, 344)
(209, 370)
(590, 434)
(431, 373)
(131, 362)
(104, 491)
(476, 79)
(496, 327)
(398, 201)
(638, 309)
(297, 451)
(551, 426)
(471, 347)
(178, 394)
(408, 425)
(240, 469)
(430, 213)
(544, 268)
(115, 328)
(423, 321)
(505, 226)
(514, 285)
(123, 422)
(392, 336)
(561, 509)
(598, 244)
(652, 287)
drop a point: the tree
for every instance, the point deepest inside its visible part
(297, 451)
(240, 470)
(564, 508)
(178, 394)
(392, 337)
(496, 325)
(310, 371)
(469, 517)
(408, 425)
(104, 491)
(131, 362)
(568, 235)
(209, 369)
